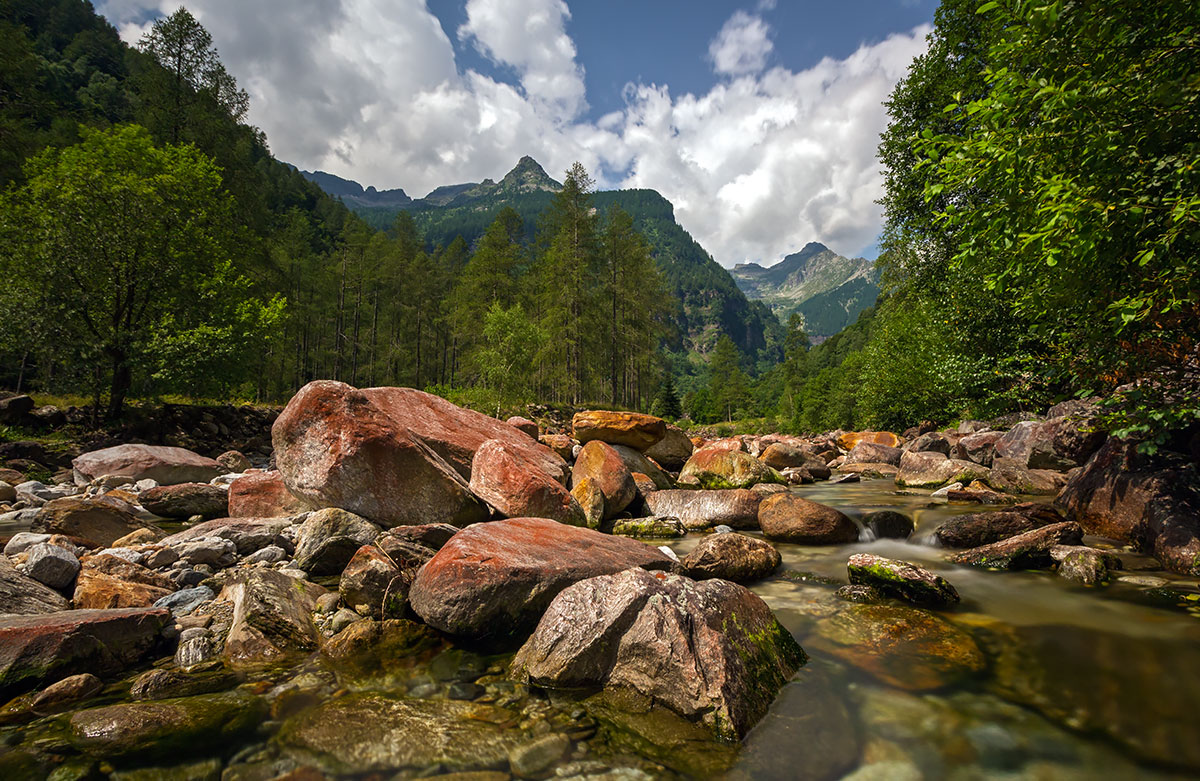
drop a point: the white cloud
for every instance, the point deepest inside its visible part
(759, 165)
(742, 46)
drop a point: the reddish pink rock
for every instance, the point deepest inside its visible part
(523, 424)
(517, 488)
(341, 447)
(34, 649)
(792, 518)
(165, 465)
(493, 581)
(603, 465)
(262, 495)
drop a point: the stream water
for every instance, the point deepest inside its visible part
(1069, 683)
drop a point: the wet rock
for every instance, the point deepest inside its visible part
(493, 581)
(52, 565)
(631, 429)
(792, 518)
(1012, 477)
(393, 455)
(1030, 550)
(716, 469)
(711, 651)
(928, 469)
(975, 529)
(167, 728)
(164, 465)
(902, 580)
(372, 645)
(698, 510)
(518, 488)
(98, 520)
(197, 645)
(530, 760)
(654, 527)
(735, 557)
(1125, 496)
(47, 647)
(163, 684)
(184, 500)
(247, 534)
(372, 585)
(673, 450)
(978, 495)
(65, 692)
(872, 453)
(601, 465)
(183, 602)
(888, 524)
(863, 595)
(901, 646)
(361, 733)
(272, 617)
(328, 539)
(1088, 566)
(262, 495)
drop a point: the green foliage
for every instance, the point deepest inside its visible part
(728, 383)
(666, 401)
(507, 351)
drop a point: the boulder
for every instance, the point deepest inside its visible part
(162, 684)
(710, 651)
(975, 529)
(673, 450)
(272, 617)
(233, 461)
(262, 495)
(379, 453)
(653, 527)
(167, 729)
(247, 534)
(1030, 550)
(183, 500)
(96, 590)
(716, 468)
(52, 565)
(1010, 476)
(928, 469)
(22, 595)
(1153, 506)
(34, 649)
(901, 580)
(164, 465)
(121, 569)
(872, 453)
(631, 429)
(524, 425)
(888, 524)
(1058, 443)
(931, 442)
(561, 444)
(590, 498)
(517, 488)
(98, 521)
(372, 584)
(370, 733)
(13, 408)
(731, 556)
(794, 519)
(699, 510)
(57, 696)
(493, 581)
(850, 439)
(328, 539)
(902, 646)
(600, 463)
(979, 448)
(780, 455)
(1088, 566)
(637, 463)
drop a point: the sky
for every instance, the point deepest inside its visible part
(758, 120)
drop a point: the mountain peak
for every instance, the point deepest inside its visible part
(527, 176)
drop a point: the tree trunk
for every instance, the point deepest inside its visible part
(122, 378)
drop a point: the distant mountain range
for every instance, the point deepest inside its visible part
(828, 290)
(708, 302)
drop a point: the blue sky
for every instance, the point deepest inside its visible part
(758, 120)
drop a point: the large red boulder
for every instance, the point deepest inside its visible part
(516, 488)
(631, 429)
(37, 649)
(262, 495)
(165, 465)
(600, 463)
(491, 582)
(358, 450)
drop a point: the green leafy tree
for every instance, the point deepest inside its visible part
(506, 355)
(120, 251)
(728, 383)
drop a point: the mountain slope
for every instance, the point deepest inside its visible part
(352, 193)
(828, 290)
(709, 302)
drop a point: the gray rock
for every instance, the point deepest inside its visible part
(342, 619)
(272, 617)
(328, 539)
(213, 551)
(22, 595)
(888, 524)
(182, 603)
(128, 554)
(163, 557)
(271, 554)
(704, 509)
(23, 541)
(196, 646)
(248, 534)
(52, 565)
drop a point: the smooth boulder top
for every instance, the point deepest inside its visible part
(631, 429)
(165, 465)
(492, 581)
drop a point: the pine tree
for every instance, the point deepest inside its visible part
(667, 401)
(730, 387)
